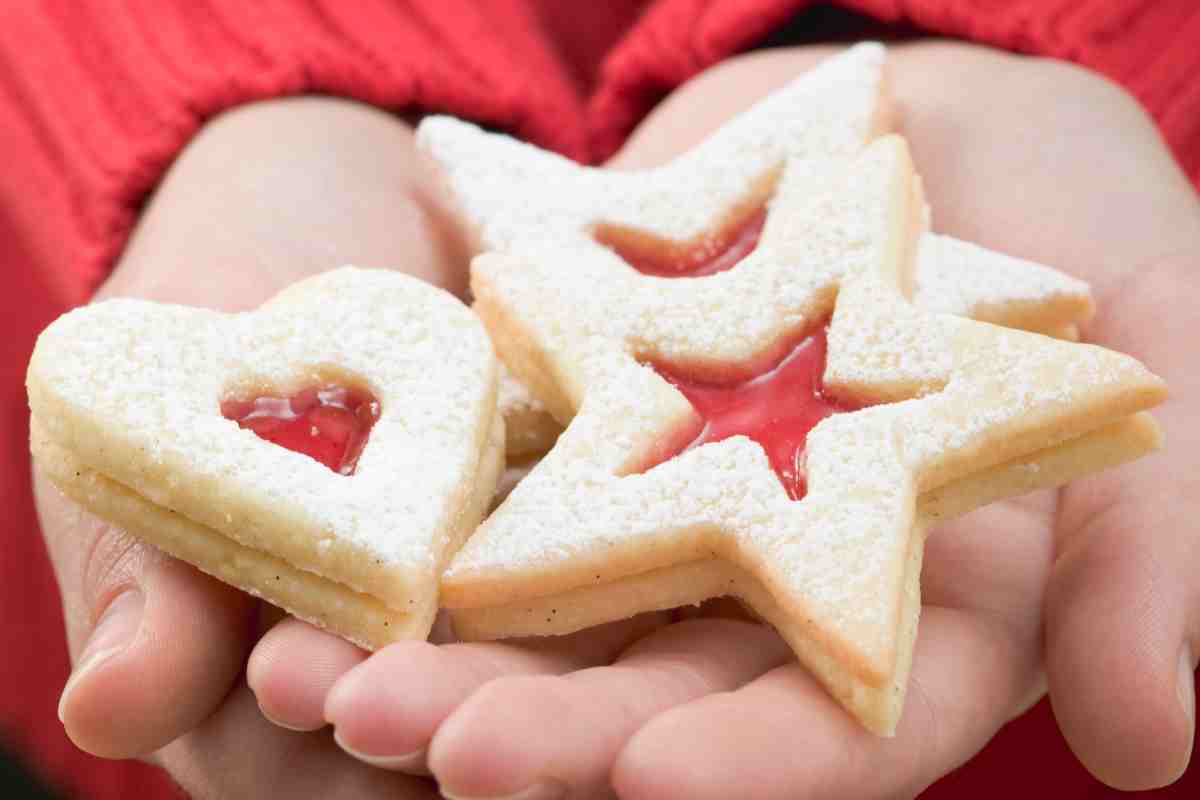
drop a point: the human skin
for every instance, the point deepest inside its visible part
(1088, 593)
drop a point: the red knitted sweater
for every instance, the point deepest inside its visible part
(97, 98)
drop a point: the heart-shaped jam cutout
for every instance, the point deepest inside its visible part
(650, 255)
(776, 408)
(329, 423)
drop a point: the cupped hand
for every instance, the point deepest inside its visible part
(1033, 158)
(262, 197)
(1089, 592)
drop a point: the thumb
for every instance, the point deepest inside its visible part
(156, 644)
(111, 636)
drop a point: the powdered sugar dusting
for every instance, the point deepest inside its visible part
(513, 397)
(957, 277)
(830, 112)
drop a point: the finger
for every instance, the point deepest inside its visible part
(1119, 661)
(386, 710)
(994, 561)
(156, 644)
(495, 744)
(781, 736)
(1048, 202)
(1123, 603)
(238, 753)
(292, 669)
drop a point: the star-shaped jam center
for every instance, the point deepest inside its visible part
(329, 424)
(776, 408)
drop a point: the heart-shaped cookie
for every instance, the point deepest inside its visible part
(176, 424)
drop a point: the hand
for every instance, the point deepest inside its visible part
(263, 197)
(1030, 157)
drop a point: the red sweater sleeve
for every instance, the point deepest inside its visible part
(96, 102)
(1149, 46)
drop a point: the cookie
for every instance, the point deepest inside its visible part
(327, 452)
(951, 276)
(757, 407)
(704, 200)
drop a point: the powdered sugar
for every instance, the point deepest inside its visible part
(957, 277)
(512, 396)
(830, 112)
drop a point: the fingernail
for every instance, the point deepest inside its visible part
(539, 791)
(1186, 687)
(113, 632)
(412, 763)
(286, 726)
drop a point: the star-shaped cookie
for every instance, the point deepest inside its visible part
(930, 414)
(511, 193)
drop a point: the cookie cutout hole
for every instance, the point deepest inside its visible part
(776, 408)
(330, 423)
(663, 258)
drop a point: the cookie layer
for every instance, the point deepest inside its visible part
(694, 582)
(357, 617)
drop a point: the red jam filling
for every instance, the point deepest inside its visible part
(329, 424)
(776, 408)
(651, 256)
